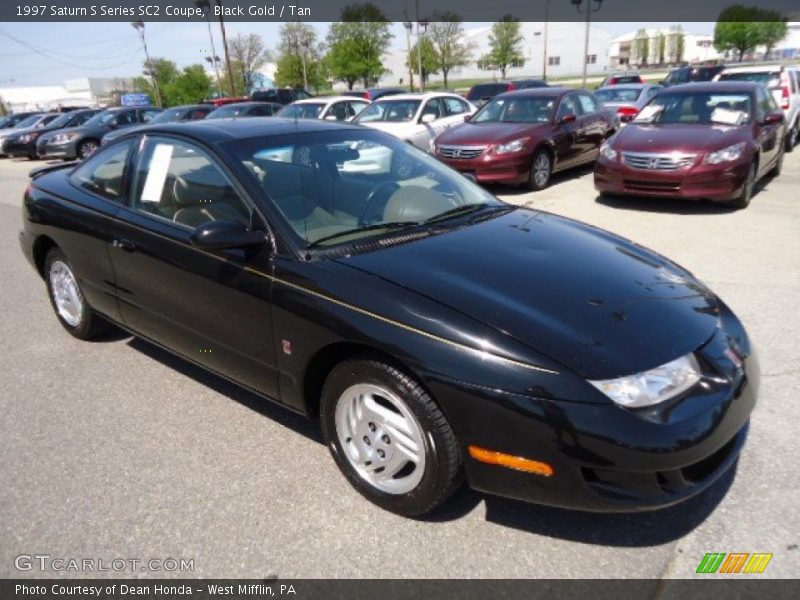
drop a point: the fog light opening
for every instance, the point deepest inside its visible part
(518, 463)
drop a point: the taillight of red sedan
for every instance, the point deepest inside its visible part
(627, 113)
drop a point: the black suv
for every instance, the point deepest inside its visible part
(692, 74)
(280, 95)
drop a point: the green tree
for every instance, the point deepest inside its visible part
(430, 62)
(505, 46)
(300, 57)
(191, 86)
(446, 35)
(741, 28)
(357, 44)
(163, 71)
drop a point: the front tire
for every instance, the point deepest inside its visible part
(67, 299)
(541, 170)
(86, 148)
(743, 201)
(388, 437)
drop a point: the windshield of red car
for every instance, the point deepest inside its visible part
(697, 108)
(517, 109)
(617, 94)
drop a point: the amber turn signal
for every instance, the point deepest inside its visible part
(518, 463)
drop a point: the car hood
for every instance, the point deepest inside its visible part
(683, 138)
(598, 304)
(470, 134)
(16, 132)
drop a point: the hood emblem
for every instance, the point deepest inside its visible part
(652, 163)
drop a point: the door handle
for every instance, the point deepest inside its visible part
(124, 244)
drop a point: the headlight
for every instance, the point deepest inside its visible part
(64, 138)
(729, 154)
(28, 137)
(514, 146)
(607, 152)
(654, 386)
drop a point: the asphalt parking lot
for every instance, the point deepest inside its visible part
(114, 449)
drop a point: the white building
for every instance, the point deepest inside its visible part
(627, 49)
(565, 43)
(86, 91)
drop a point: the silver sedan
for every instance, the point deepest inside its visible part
(626, 100)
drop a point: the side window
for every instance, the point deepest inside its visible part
(355, 107)
(125, 118)
(261, 111)
(103, 174)
(179, 182)
(455, 106)
(433, 107)
(568, 107)
(148, 113)
(81, 119)
(587, 104)
(338, 110)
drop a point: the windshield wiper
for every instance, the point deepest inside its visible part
(374, 227)
(457, 211)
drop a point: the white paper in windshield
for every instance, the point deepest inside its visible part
(157, 174)
(728, 116)
(648, 113)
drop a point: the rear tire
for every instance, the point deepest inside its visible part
(388, 437)
(791, 137)
(68, 301)
(541, 170)
(743, 201)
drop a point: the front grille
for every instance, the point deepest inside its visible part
(658, 162)
(462, 152)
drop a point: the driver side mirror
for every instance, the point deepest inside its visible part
(773, 118)
(222, 235)
(427, 118)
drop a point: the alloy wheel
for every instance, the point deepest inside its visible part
(66, 293)
(541, 169)
(381, 438)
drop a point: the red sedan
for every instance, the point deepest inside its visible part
(700, 141)
(522, 137)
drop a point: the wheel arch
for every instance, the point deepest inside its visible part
(41, 247)
(328, 357)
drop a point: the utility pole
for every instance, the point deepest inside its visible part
(205, 6)
(589, 11)
(544, 47)
(139, 27)
(419, 51)
(225, 44)
(408, 25)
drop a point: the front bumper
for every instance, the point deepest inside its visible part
(719, 183)
(46, 149)
(513, 168)
(606, 458)
(15, 148)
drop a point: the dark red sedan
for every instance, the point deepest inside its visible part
(700, 141)
(522, 137)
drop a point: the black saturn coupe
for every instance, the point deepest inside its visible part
(438, 333)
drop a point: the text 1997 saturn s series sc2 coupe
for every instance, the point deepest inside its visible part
(437, 332)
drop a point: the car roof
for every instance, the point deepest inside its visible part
(216, 131)
(542, 91)
(715, 86)
(626, 86)
(327, 99)
(248, 104)
(755, 69)
(416, 96)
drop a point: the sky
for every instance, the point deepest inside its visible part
(50, 53)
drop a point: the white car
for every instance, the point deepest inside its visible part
(783, 82)
(416, 118)
(331, 108)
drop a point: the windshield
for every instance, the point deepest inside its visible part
(29, 122)
(517, 109)
(391, 111)
(341, 186)
(616, 94)
(302, 111)
(101, 118)
(62, 120)
(225, 112)
(697, 108)
(168, 116)
(765, 77)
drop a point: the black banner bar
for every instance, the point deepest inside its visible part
(394, 10)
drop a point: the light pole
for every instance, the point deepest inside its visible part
(408, 25)
(205, 6)
(544, 42)
(139, 27)
(419, 47)
(589, 11)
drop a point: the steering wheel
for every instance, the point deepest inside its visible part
(376, 201)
